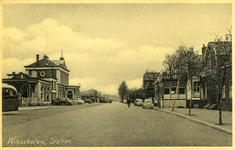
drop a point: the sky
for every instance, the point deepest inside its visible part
(105, 44)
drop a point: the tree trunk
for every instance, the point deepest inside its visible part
(190, 102)
(220, 111)
(176, 92)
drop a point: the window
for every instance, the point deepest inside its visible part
(166, 84)
(181, 90)
(166, 91)
(7, 92)
(174, 83)
(196, 86)
(173, 90)
(196, 89)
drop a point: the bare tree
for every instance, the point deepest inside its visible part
(185, 63)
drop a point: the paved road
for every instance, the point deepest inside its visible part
(105, 125)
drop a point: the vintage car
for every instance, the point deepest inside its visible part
(9, 98)
(138, 102)
(89, 101)
(62, 101)
(148, 104)
(78, 101)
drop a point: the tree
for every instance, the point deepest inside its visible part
(122, 90)
(185, 63)
(191, 67)
(220, 77)
(169, 63)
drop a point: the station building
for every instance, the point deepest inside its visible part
(43, 81)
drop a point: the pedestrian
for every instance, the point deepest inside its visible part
(128, 102)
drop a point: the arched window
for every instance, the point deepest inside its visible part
(70, 94)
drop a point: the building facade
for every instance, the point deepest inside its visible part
(216, 77)
(148, 83)
(43, 81)
(165, 90)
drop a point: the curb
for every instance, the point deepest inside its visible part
(32, 108)
(23, 109)
(11, 113)
(198, 121)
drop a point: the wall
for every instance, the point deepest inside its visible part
(169, 103)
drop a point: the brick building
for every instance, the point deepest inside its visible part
(43, 81)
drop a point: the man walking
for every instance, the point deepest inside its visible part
(128, 102)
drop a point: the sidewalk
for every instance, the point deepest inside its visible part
(33, 107)
(204, 116)
(23, 108)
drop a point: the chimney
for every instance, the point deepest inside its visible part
(45, 56)
(203, 50)
(13, 73)
(37, 57)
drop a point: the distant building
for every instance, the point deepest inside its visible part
(148, 82)
(90, 94)
(44, 81)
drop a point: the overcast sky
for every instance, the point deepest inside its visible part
(105, 44)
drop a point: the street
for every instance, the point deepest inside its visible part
(105, 125)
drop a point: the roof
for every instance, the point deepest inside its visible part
(45, 62)
(42, 63)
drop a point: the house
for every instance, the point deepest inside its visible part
(148, 82)
(44, 81)
(180, 87)
(90, 94)
(216, 77)
(165, 90)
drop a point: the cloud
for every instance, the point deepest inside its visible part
(13, 34)
(95, 83)
(135, 83)
(10, 65)
(94, 62)
(50, 37)
(144, 54)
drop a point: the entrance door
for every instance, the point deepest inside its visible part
(70, 94)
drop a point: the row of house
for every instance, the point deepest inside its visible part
(43, 81)
(161, 87)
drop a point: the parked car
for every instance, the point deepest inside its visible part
(80, 101)
(124, 101)
(148, 104)
(62, 101)
(9, 98)
(89, 101)
(138, 102)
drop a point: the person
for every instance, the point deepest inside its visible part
(128, 102)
